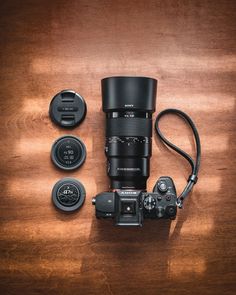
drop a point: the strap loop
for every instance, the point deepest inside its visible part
(193, 178)
(194, 164)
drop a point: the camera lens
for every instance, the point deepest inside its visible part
(68, 152)
(128, 103)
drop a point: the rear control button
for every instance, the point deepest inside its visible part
(171, 211)
(168, 198)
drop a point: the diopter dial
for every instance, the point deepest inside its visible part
(149, 203)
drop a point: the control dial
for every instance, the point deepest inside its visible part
(149, 203)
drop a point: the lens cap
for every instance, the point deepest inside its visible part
(67, 108)
(68, 194)
(68, 152)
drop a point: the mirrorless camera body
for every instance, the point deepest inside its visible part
(130, 207)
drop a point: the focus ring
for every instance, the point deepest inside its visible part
(129, 127)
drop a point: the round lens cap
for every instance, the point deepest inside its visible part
(67, 108)
(68, 152)
(68, 194)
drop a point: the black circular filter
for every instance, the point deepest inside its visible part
(67, 108)
(68, 194)
(68, 152)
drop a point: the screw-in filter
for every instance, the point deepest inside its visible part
(68, 152)
(68, 194)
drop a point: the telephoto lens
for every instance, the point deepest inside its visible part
(128, 103)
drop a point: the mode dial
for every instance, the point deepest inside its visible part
(149, 203)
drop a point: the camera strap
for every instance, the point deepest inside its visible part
(194, 164)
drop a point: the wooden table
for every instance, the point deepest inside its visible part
(47, 46)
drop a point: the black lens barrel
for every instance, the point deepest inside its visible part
(129, 127)
(129, 103)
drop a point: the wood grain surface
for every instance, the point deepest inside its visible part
(47, 46)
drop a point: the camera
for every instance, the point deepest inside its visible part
(130, 207)
(129, 103)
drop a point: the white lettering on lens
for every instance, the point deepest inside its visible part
(128, 169)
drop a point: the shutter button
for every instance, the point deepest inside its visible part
(162, 187)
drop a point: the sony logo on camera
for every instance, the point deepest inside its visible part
(129, 193)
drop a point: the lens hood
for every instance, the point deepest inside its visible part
(129, 93)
